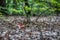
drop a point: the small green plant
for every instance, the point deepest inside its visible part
(33, 7)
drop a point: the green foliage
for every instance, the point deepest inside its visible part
(37, 7)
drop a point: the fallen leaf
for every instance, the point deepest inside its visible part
(20, 25)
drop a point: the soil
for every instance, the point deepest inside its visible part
(23, 28)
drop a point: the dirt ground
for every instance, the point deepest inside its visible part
(33, 28)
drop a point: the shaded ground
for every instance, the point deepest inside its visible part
(43, 28)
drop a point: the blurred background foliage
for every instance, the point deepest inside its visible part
(30, 7)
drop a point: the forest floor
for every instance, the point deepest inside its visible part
(33, 28)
